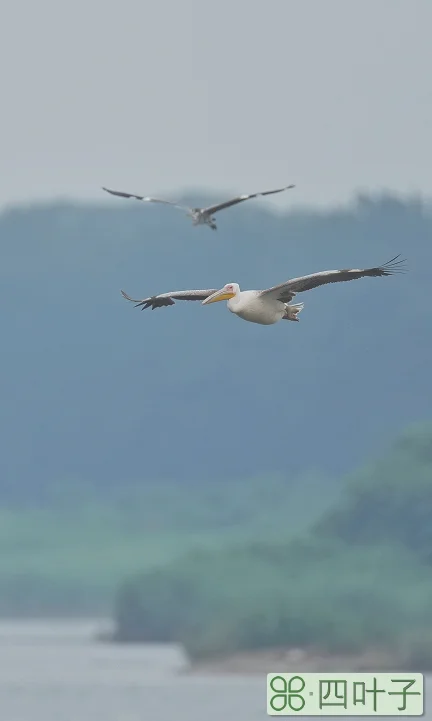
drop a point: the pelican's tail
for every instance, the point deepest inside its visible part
(292, 311)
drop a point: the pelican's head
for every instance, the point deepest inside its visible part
(229, 290)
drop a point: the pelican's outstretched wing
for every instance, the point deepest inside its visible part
(158, 301)
(286, 291)
(145, 199)
(227, 204)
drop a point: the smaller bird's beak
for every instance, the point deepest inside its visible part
(219, 295)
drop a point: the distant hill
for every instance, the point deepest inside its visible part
(97, 393)
(357, 582)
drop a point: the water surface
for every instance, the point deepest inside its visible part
(56, 671)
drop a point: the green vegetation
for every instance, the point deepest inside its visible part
(70, 556)
(390, 500)
(359, 578)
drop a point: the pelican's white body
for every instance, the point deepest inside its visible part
(253, 306)
(248, 304)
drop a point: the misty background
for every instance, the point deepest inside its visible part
(207, 486)
(229, 96)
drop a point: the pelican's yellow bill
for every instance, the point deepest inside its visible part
(345, 694)
(220, 295)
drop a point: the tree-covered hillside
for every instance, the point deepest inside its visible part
(358, 580)
(95, 392)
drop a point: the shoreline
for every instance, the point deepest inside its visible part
(294, 660)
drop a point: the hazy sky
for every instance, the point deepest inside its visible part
(242, 95)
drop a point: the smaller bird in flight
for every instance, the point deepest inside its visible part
(200, 216)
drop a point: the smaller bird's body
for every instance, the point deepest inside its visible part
(269, 306)
(199, 216)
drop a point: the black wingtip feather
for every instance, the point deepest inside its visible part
(393, 266)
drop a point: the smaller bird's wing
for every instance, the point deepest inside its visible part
(286, 291)
(145, 199)
(228, 203)
(158, 301)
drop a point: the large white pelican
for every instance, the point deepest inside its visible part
(200, 216)
(268, 306)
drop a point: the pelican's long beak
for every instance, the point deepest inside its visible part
(219, 295)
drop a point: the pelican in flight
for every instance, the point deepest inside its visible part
(200, 216)
(272, 305)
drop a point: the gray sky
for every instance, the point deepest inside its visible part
(242, 95)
